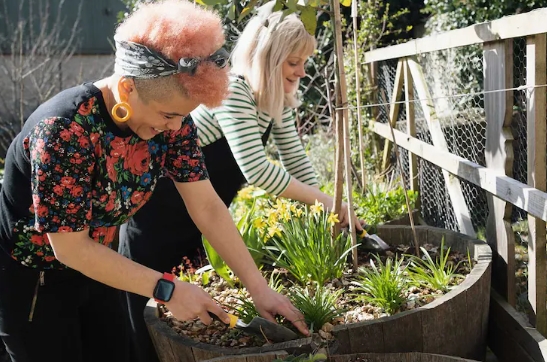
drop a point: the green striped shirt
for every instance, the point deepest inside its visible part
(243, 125)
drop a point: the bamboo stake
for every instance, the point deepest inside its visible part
(339, 160)
(354, 15)
(402, 172)
(343, 119)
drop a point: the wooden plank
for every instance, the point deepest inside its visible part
(366, 339)
(393, 109)
(461, 211)
(396, 357)
(498, 107)
(504, 187)
(536, 137)
(411, 128)
(505, 28)
(511, 337)
(403, 332)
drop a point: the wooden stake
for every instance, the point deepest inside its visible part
(343, 119)
(354, 15)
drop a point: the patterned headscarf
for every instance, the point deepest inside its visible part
(138, 61)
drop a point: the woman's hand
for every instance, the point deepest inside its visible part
(190, 302)
(269, 303)
(345, 218)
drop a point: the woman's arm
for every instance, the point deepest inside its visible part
(215, 222)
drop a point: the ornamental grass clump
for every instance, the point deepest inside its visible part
(383, 284)
(300, 241)
(437, 274)
(318, 304)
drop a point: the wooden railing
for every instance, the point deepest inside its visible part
(496, 38)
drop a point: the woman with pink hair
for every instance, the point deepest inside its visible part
(268, 63)
(87, 160)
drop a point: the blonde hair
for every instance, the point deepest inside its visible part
(263, 46)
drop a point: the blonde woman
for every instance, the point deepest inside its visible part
(268, 62)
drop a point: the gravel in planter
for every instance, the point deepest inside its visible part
(352, 310)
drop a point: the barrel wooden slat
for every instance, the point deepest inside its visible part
(454, 324)
(396, 357)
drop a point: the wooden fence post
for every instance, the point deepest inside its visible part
(411, 129)
(461, 211)
(498, 106)
(536, 136)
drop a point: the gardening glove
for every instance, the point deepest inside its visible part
(269, 303)
(190, 302)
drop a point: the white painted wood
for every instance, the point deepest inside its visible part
(504, 187)
(393, 109)
(498, 107)
(411, 128)
(514, 26)
(461, 211)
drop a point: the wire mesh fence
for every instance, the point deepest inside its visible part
(454, 79)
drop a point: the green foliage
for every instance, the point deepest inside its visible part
(379, 205)
(245, 309)
(317, 304)
(302, 243)
(218, 264)
(383, 285)
(381, 202)
(436, 274)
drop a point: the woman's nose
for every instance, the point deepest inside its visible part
(301, 71)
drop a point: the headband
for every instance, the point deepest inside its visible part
(139, 61)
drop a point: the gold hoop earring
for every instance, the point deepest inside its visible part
(128, 112)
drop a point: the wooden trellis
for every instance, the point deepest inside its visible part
(511, 337)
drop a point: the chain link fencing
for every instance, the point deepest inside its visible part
(454, 79)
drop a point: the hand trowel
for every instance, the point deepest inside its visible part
(261, 327)
(372, 242)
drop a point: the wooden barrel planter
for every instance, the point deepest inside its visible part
(362, 357)
(173, 347)
(452, 325)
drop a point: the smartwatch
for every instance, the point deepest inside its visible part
(164, 288)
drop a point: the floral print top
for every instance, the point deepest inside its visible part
(72, 169)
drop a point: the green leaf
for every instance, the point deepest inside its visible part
(278, 5)
(308, 17)
(220, 266)
(211, 2)
(247, 10)
(346, 3)
(232, 12)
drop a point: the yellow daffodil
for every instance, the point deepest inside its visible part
(259, 223)
(299, 212)
(274, 230)
(317, 208)
(333, 218)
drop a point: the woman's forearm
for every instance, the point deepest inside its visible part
(307, 194)
(215, 222)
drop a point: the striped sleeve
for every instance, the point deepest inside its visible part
(238, 118)
(292, 154)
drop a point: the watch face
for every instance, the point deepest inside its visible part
(164, 290)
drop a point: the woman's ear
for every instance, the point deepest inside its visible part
(125, 87)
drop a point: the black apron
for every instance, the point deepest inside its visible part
(162, 231)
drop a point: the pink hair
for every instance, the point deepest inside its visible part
(177, 29)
